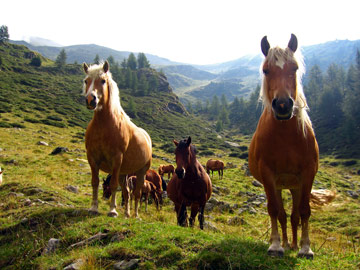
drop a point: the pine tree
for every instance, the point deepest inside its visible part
(4, 34)
(143, 85)
(97, 59)
(131, 61)
(61, 59)
(142, 61)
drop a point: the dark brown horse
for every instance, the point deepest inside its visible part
(113, 143)
(283, 153)
(215, 165)
(169, 169)
(190, 185)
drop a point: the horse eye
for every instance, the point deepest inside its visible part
(266, 71)
(85, 81)
(103, 81)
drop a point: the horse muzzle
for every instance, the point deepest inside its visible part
(283, 108)
(91, 102)
(180, 173)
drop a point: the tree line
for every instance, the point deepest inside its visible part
(333, 97)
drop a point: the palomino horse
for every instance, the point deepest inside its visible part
(190, 185)
(169, 169)
(283, 153)
(215, 165)
(113, 143)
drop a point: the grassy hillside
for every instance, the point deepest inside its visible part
(36, 204)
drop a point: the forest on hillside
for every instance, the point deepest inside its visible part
(332, 97)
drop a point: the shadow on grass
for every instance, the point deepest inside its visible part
(240, 254)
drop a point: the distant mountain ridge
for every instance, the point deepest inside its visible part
(239, 76)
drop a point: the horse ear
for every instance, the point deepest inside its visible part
(86, 67)
(265, 46)
(106, 66)
(175, 142)
(293, 43)
(188, 142)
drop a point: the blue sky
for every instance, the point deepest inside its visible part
(189, 31)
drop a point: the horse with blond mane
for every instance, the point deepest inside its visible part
(114, 144)
(283, 153)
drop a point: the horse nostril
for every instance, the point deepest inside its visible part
(274, 102)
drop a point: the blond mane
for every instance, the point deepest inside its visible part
(278, 56)
(97, 71)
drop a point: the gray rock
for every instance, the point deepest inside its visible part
(72, 189)
(76, 265)
(52, 245)
(43, 143)
(211, 227)
(256, 183)
(352, 194)
(127, 265)
(59, 150)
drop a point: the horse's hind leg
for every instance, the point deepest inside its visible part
(140, 178)
(125, 194)
(282, 220)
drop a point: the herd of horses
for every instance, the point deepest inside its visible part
(283, 153)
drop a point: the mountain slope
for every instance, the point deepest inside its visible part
(52, 96)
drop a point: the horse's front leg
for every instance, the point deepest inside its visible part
(201, 216)
(95, 186)
(194, 211)
(182, 215)
(305, 212)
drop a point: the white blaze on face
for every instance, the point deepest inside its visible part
(280, 62)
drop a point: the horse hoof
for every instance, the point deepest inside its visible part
(275, 253)
(112, 214)
(308, 256)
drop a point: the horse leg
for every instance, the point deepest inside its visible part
(275, 248)
(146, 201)
(95, 187)
(282, 219)
(140, 178)
(114, 183)
(194, 211)
(125, 194)
(182, 216)
(201, 217)
(295, 217)
(305, 213)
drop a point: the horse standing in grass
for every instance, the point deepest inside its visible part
(190, 185)
(215, 165)
(113, 143)
(283, 153)
(169, 169)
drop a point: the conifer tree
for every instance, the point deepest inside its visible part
(142, 61)
(131, 61)
(97, 59)
(61, 59)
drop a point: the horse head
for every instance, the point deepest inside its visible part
(96, 85)
(183, 156)
(280, 80)
(106, 187)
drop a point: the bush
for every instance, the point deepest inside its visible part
(36, 61)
